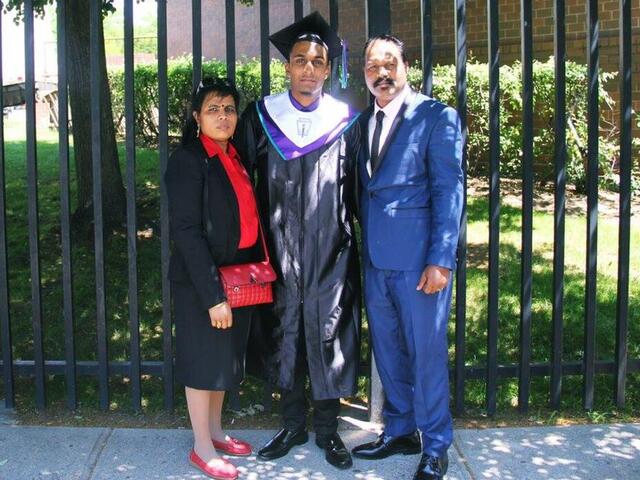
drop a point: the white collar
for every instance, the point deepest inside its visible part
(305, 128)
(392, 108)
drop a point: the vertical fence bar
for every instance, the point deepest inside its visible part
(427, 49)
(461, 271)
(98, 221)
(233, 400)
(32, 193)
(265, 57)
(626, 111)
(130, 145)
(298, 9)
(163, 108)
(196, 40)
(265, 77)
(494, 204)
(5, 320)
(593, 41)
(230, 12)
(378, 17)
(378, 22)
(65, 209)
(334, 22)
(560, 162)
(527, 205)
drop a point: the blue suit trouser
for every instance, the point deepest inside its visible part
(409, 338)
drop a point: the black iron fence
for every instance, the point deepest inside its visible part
(379, 15)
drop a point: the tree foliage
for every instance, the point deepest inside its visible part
(39, 7)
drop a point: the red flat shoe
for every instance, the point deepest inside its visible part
(234, 447)
(224, 471)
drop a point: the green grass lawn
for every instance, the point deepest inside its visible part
(148, 175)
(509, 304)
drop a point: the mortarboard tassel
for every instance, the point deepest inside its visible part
(344, 81)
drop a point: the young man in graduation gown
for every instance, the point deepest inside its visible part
(300, 147)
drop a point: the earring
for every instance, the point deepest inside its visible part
(198, 133)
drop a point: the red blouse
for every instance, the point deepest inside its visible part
(242, 187)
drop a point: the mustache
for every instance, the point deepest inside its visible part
(383, 81)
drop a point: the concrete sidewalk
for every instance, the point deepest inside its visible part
(573, 453)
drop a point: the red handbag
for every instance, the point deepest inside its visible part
(249, 283)
(246, 283)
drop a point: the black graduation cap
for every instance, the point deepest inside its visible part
(312, 24)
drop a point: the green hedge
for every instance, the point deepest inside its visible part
(511, 118)
(179, 74)
(248, 82)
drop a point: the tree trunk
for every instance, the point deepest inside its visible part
(79, 73)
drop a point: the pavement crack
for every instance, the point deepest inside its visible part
(463, 459)
(96, 451)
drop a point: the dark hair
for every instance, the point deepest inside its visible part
(308, 37)
(386, 38)
(221, 87)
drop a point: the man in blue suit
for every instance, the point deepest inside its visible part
(411, 182)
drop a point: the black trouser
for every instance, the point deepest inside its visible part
(295, 405)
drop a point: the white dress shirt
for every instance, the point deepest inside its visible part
(390, 113)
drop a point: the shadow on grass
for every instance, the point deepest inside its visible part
(478, 211)
(541, 324)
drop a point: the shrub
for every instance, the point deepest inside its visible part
(248, 82)
(179, 74)
(444, 89)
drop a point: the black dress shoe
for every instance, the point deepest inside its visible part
(281, 443)
(386, 445)
(335, 452)
(432, 468)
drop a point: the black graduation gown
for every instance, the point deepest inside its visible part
(305, 205)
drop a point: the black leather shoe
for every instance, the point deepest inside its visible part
(335, 452)
(386, 445)
(281, 443)
(432, 468)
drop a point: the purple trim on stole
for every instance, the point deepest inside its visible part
(289, 150)
(298, 106)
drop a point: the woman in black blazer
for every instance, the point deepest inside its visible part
(211, 338)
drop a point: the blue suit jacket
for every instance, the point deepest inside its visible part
(410, 206)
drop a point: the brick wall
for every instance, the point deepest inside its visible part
(510, 29)
(352, 25)
(247, 24)
(543, 28)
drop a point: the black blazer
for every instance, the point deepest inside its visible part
(196, 256)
